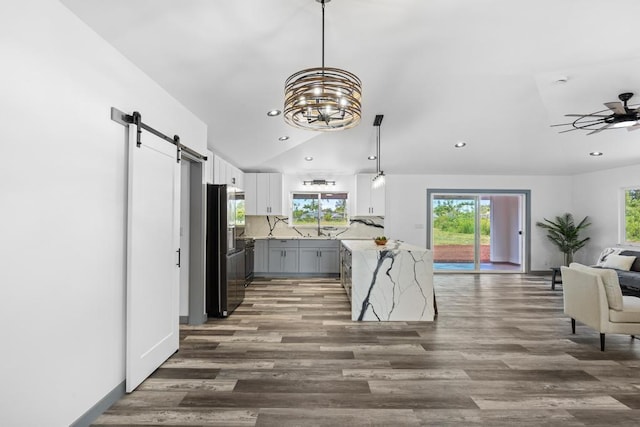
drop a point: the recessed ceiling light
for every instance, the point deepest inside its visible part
(283, 138)
(460, 144)
(308, 158)
(562, 79)
(273, 113)
(372, 157)
(595, 153)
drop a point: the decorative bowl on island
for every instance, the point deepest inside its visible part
(380, 241)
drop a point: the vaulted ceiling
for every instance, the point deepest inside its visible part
(494, 73)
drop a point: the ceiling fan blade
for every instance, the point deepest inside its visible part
(616, 107)
(587, 115)
(600, 129)
(568, 130)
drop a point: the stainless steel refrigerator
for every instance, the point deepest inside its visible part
(225, 275)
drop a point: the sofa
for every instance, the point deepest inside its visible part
(626, 263)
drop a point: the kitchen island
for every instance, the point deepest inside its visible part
(393, 282)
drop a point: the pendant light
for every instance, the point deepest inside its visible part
(379, 179)
(323, 99)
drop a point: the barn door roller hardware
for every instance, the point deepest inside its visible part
(136, 119)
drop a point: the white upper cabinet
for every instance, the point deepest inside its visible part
(219, 170)
(263, 194)
(226, 173)
(208, 168)
(369, 201)
(250, 194)
(235, 177)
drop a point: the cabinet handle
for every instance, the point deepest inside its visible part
(178, 264)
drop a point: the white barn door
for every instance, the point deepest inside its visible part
(152, 256)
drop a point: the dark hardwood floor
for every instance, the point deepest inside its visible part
(500, 353)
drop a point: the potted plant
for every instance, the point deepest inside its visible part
(380, 240)
(565, 234)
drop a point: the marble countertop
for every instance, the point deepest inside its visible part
(306, 238)
(370, 245)
(293, 238)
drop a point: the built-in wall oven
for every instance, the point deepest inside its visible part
(249, 256)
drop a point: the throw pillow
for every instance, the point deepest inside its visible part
(605, 254)
(619, 262)
(636, 264)
(609, 280)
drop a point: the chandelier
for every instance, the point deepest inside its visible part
(322, 99)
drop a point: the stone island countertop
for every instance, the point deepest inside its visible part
(393, 282)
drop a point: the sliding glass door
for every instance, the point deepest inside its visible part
(475, 231)
(454, 231)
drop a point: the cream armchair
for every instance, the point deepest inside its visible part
(593, 297)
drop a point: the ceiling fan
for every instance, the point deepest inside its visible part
(618, 115)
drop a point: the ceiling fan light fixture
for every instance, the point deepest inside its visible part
(323, 98)
(624, 124)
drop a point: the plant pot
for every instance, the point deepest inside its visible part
(568, 258)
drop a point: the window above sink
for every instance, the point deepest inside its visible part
(319, 209)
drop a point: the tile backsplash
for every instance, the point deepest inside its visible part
(278, 226)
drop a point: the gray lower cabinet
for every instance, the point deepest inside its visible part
(309, 260)
(329, 261)
(283, 256)
(283, 260)
(261, 256)
(278, 256)
(319, 256)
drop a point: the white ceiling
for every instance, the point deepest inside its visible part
(441, 71)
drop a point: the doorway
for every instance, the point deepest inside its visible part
(192, 241)
(478, 230)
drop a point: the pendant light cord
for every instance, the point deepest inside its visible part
(378, 150)
(322, 36)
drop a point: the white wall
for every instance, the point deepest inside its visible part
(505, 225)
(406, 206)
(62, 192)
(598, 195)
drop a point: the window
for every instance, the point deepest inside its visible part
(319, 209)
(631, 230)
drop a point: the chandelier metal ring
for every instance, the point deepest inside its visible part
(323, 98)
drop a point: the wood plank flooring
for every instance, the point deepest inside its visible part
(500, 353)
